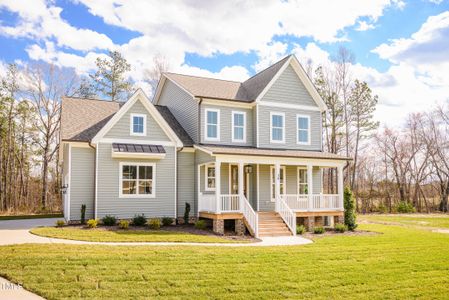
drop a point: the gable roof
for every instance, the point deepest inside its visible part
(81, 119)
(249, 91)
(174, 124)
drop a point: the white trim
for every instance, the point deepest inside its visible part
(161, 85)
(187, 149)
(176, 184)
(283, 181)
(69, 183)
(297, 179)
(137, 195)
(273, 113)
(273, 80)
(76, 144)
(233, 113)
(257, 125)
(257, 179)
(133, 155)
(271, 160)
(131, 124)
(203, 149)
(96, 182)
(131, 141)
(289, 106)
(206, 138)
(206, 188)
(227, 103)
(308, 129)
(139, 95)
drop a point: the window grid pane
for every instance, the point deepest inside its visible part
(277, 127)
(138, 124)
(137, 180)
(212, 124)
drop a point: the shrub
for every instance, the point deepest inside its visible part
(154, 224)
(318, 230)
(349, 205)
(340, 228)
(83, 214)
(186, 213)
(109, 220)
(167, 221)
(123, 224)
(92, 223)
(300, 229)
(139, 220)
(405, 208)
(382, 208)
(200, 224)
(60, 223)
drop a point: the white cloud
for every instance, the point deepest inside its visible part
(364, 26)
(270, 54)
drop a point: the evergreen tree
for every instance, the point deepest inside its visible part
(349, 205)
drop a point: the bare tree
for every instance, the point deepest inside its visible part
(153, 74)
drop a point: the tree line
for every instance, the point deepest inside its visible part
(403, 169)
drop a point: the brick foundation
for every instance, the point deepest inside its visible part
(339, 220)
(309, 223)
(240, 227)
(191, 220)
(319, 221)
(218, 226)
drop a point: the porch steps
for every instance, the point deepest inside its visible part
(271, 224)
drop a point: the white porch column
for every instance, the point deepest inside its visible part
(198, 187)
(218, 184)
(340, 185)
(310, 186)
(277, 183)
(241, 167)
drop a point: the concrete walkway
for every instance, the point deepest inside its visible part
(17, 232)
(9, 290)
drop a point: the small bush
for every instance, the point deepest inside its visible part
(349, 205)
(318, 230)
(154, 224)
(200, 224)
(167, 221)
(186, 213)
(382, 208)
(405, 208)
(60, 223)
(341, 228)
(92, 223)
(109, 220)
(139, 220)
(300, 229)
(83, 214)
(123, 224)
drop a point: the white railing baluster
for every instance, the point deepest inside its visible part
(286, 214)
(251, 217)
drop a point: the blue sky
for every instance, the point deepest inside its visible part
(399, 46)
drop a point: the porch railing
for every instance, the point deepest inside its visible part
(286, 213)
(250, 215)
(207, 202)
(317, 202)
(230, 203)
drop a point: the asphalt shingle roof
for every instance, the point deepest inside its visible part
(174, 124)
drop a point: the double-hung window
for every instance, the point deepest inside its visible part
(277, 127)
(239, 126)
(303, 129)
(302, 181)
(212, 125)
(210, 178)
(138, 124)
(137, 180)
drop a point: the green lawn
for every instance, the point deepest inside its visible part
(432, 220)
(401, 263)
(42, 216)
(101, 235)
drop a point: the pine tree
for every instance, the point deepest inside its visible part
(349, 205)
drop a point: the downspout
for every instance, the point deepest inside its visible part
(199, 121)
(95, 179)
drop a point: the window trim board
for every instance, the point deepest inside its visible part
(273, 113)
(131, 126)
(308, 129)
(137, 164)
(233, 113)
(206, 138)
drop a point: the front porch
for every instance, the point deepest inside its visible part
(243, 187)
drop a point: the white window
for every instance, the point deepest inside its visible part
(302, 181)
(212, 124)
(277, 127)
(137, 180)
(138, 124)
(303, 129)
(239, 126)
(210, 178)
(273, 182)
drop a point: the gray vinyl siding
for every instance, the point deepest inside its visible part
(317, 180)
(290, 128)
(226, 125)
(288, 88)
(254, 133)
(265, 203)
(109, 202)
(121, 130)
(82, 182)
(183, 106)
(186, 181)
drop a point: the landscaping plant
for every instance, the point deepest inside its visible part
(349, 205)
(92, 223)
(340, 228)
(109, 220)
(154, 224)
(200, 224)
(60, 223)
(139, 220)
(300, 229)
(318, 230)
(167, 221)
(123, 224)
(186, 213)
(405, 208)
(83, 214)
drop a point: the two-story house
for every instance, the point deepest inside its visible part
(250, 152)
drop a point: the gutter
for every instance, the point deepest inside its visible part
(199, 120)
(96, 177)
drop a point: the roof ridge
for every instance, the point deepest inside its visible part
(203, 77)
(267, 68)
(89, 99)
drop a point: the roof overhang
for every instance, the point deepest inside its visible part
(120, 150)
